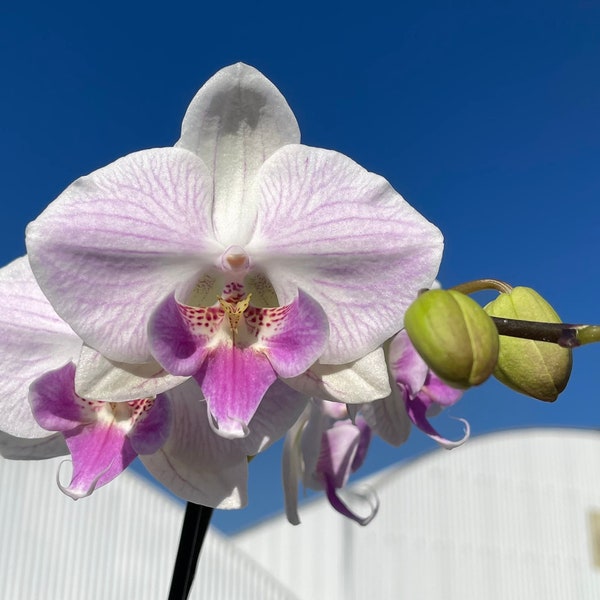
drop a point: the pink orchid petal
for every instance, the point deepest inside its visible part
(55, 404)
(344, 236)
(99, 453)
(101, 445)
(34, 340)
(440, 392)
(175, 346)
(234, 381)
(406, 365)
(234, 123)
(119, 240)
(293, 336)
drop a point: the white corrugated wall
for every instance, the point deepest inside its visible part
(118, 544)
(507, 516)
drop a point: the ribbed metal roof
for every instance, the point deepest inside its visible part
(507, 516)
(118, 544)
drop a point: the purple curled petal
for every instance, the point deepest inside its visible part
(417, 412)
(336, 502)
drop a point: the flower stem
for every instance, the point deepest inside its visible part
(563, 334)
(193, 531)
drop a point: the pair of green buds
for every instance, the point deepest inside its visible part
(460, 341)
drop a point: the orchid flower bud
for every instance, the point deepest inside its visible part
(533, 368)
(454, 336)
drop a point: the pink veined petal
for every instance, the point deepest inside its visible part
(292, 336)
(343, 235)
(119, 240)
(101, 444)
(234, 381)
(99, 378)
(34, 340)
(234, 123)
(363, 380)
(406, 365)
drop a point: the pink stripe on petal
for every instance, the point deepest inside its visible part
(234, 381)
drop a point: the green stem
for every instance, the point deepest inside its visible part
(479, 285)
(563, 334)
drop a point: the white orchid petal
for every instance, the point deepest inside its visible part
(388, 418)
(118, 241)
(195, 463)
(98, 378)
(344, 236)
(16, 448)
(362, 381)
(34, 340)
(234, 123)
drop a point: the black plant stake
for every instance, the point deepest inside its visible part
(193, 531)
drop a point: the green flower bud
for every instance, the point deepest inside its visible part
(537, 369)
(454, 336)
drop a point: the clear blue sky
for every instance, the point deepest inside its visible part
(484, 115)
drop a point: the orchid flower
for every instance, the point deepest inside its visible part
(170, 432)
(323, 449)
(236, 257)
(38, 395)
(417, 394)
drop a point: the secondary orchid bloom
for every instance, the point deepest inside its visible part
(417, 394)
(37, 395)
(171, 433)
(236, 257)
(323, 449)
